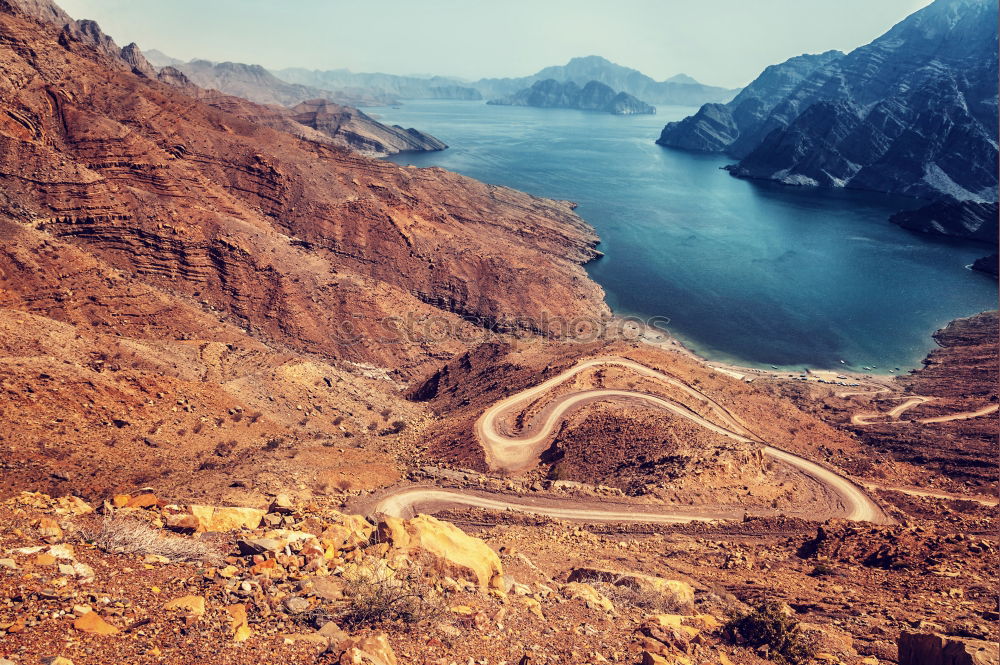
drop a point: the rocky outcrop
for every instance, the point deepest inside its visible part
(914, 112)
(968, 220)
(987, 264)
(747, 118)
(132, 54)
(212, 518)
(449, 545)
(675, 90)
(360, 131)
(934, 649)
(593, 96)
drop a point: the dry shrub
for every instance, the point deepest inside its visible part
(768, 627)
(376, 595)
(650, 600)
(119, 535)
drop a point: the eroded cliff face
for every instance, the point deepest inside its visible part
(360, 131)
(288, 236)
(914, 112)
(192, 282)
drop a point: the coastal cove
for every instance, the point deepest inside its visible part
(748, 272)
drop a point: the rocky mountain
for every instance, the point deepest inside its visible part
(747, 118)
(593, 96)
(360, 131)
(241, 366)
(679, 90)
(914, 112)
(969, 220)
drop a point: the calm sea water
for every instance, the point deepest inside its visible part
(747, 272)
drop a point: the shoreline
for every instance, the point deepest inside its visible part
(662, 339)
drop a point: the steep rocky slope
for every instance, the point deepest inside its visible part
(360, 131)
(969, 220)
(593, 96)
(914, 112)
(184, 289)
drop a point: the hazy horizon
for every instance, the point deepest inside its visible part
(724, 42)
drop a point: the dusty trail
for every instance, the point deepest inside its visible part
(520, 451)
(896, 411)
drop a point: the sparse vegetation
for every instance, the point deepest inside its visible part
(650, 600)
(823, 570)
(377, 595)
(395, 428)
(126, 536)
(768, 626)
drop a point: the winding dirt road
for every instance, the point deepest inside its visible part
(518, 451)
(896, 411)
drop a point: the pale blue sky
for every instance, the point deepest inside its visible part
(721, 42)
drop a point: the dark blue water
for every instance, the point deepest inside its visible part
(746, 271)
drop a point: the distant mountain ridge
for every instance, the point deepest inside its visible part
(914, 112)
(257, 84)
(680, 89)
(594, 96)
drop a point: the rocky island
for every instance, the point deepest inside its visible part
(594, 96)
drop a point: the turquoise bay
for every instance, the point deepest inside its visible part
(746, 271)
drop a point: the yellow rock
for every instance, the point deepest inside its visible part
(239, 623)
(677, 622)
(191, 604)
(826, 658)
(447, 543)
(371, 650)
(48, 528)
(91, 622)
(212, 518)
(121, 500)
(594, 598)
(58, 660)
(869, 660)
(228, 571)
(346, 532)
(650, 658)
(533, 606)
(45, 559)
(703, 622)
(464, 610)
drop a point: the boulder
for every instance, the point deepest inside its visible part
(346, 532)
(594, 599)
(193, 605)
(936, 649)
(371, 650)
(91, 622)
(212, 518)
(448, 545)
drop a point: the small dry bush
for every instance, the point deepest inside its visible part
(126, 536)
(621, 592)
(376, 594)
(767, 626)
